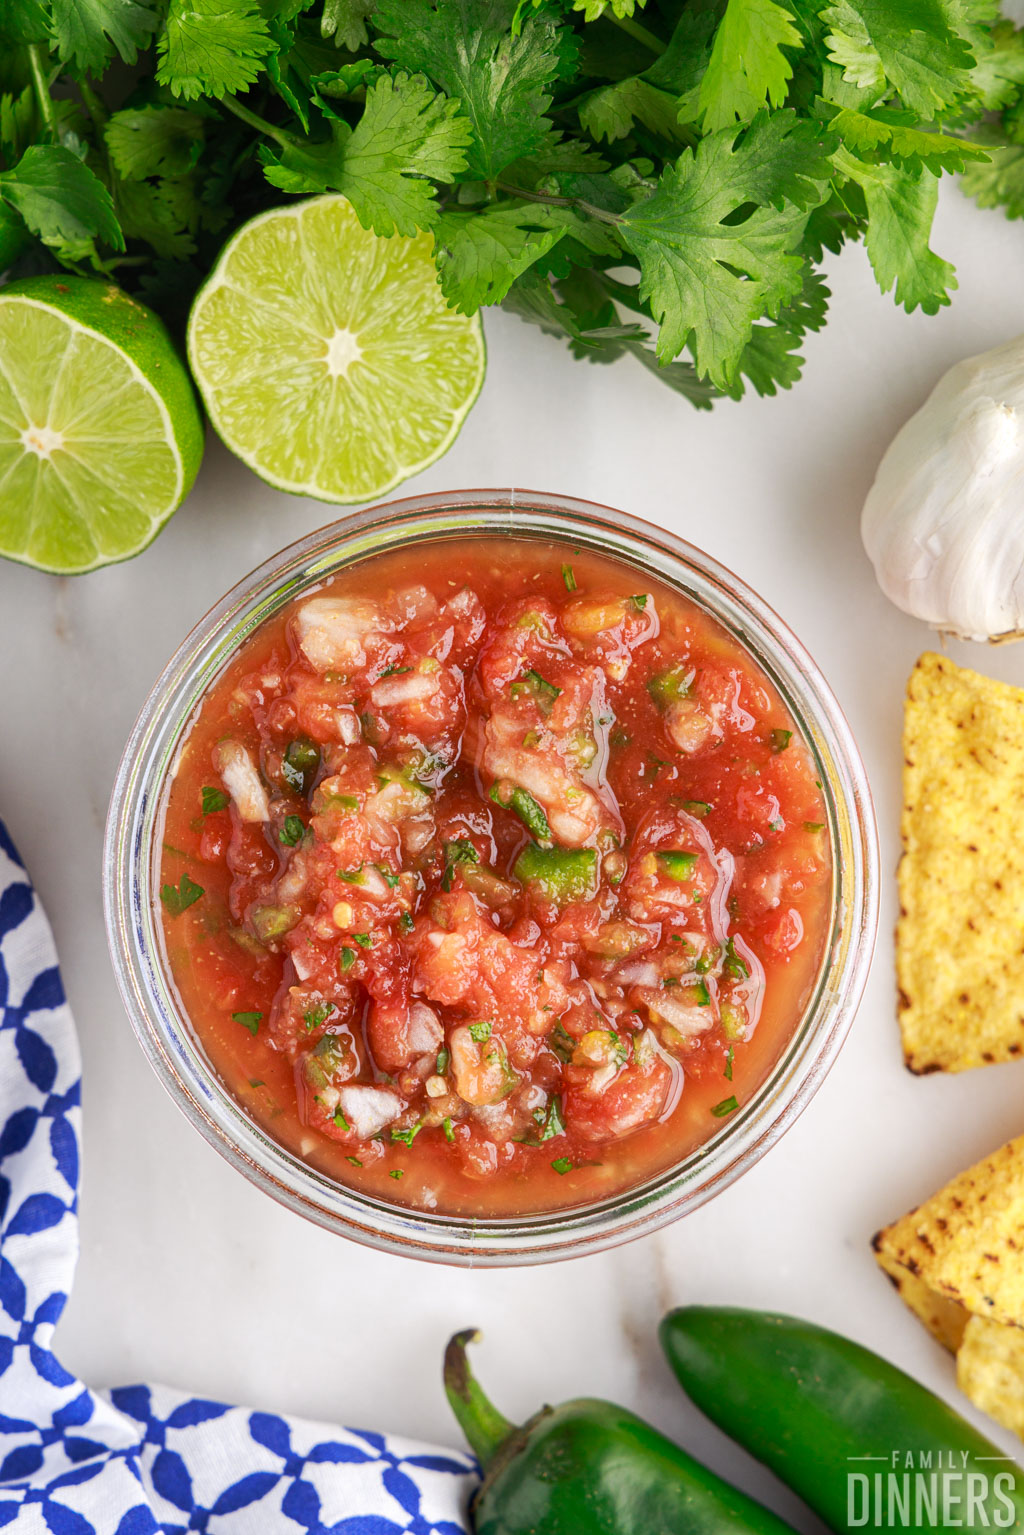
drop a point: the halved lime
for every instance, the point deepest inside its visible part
(326, 355)
(100, 432)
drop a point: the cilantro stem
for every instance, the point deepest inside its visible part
(259, 123)
(552, 201)
(634, 30)
(42, 89)
(92, 103)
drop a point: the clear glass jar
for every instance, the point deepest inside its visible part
(132, 857)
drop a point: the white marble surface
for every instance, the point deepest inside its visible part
(190, 1276)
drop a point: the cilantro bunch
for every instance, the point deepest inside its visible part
(657, 181)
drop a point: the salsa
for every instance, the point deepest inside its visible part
(495, 877)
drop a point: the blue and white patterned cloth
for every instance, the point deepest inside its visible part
(142, 1459)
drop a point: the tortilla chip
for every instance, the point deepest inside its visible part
(960, 935)
(990, 1371)
(966, 1243)
(958, 1262)
(945, 1319)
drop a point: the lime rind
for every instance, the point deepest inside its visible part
(97, 449)
(326, 356)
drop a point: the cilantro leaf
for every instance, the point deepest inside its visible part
(14, 236)
(468, 49)
(708, 271)
(24, 21)
(593, 10)
(610, 111)
(999, 74)
(407, 137)
(999, 182)
(480, 255)
(60, 199)
(164, 214)
(178, 898)
(891, 135)
(88, 32)
(914, 47)
(900, 208)
(345, 21)
(771, 359)
(747, 68)
(211, 47)
(153, 141)
(250, 1021)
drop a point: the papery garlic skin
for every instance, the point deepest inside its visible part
(943, 523)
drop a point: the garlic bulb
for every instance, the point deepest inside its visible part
(943, 523)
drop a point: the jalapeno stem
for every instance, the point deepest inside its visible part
(483, 1425)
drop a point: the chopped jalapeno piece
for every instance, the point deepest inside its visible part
(568, 578)
(696, 807)
(559, 874)
(678, 866)
(780, 739)
(300, 765)
(271, 922)
(667, 688)
(726, 1106)
(480, 1031)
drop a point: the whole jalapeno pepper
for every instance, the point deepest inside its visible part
(589, 1468)
(863, 1443)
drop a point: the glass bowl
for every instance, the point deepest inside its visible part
(131, 881)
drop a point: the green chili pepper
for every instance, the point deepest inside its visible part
(560, 874)
(301, 764)
(667, 688)
(827, 1416)
(678, 866)
(589, 1468)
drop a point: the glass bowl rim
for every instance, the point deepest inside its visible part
(133, 930)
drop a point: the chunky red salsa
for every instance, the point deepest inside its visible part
(495, 877)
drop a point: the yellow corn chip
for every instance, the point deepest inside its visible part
(958, 1262)
(966, 1243)
(990, 1371)
(960, 935)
